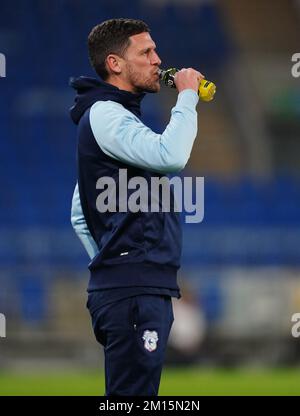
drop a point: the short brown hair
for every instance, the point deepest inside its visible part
(111, 36)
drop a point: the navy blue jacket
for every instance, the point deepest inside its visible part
(151, 241)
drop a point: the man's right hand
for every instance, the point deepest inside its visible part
(188, 78)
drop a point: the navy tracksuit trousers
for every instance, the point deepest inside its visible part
(134, 333)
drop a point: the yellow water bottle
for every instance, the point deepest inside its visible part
(206, 89)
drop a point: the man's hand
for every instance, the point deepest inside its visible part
(188, 79)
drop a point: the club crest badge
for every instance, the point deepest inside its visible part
(150, 338)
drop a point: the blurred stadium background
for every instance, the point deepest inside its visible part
(241, 266)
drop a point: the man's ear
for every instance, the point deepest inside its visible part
(114, 64)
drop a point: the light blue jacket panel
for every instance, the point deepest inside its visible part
(122, 136)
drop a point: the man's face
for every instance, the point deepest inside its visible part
(142, 63)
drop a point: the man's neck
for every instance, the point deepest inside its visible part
(120, 83)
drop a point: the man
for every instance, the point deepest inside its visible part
(135, 255)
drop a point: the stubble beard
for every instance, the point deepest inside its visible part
(142, 83)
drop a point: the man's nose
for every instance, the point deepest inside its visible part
(156, 60)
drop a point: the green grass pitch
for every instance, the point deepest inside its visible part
(184, 382)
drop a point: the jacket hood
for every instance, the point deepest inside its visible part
(90, 90)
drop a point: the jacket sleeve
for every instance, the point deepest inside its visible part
(122, 136)
(79, 224)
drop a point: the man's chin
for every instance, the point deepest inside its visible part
(152, 88)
